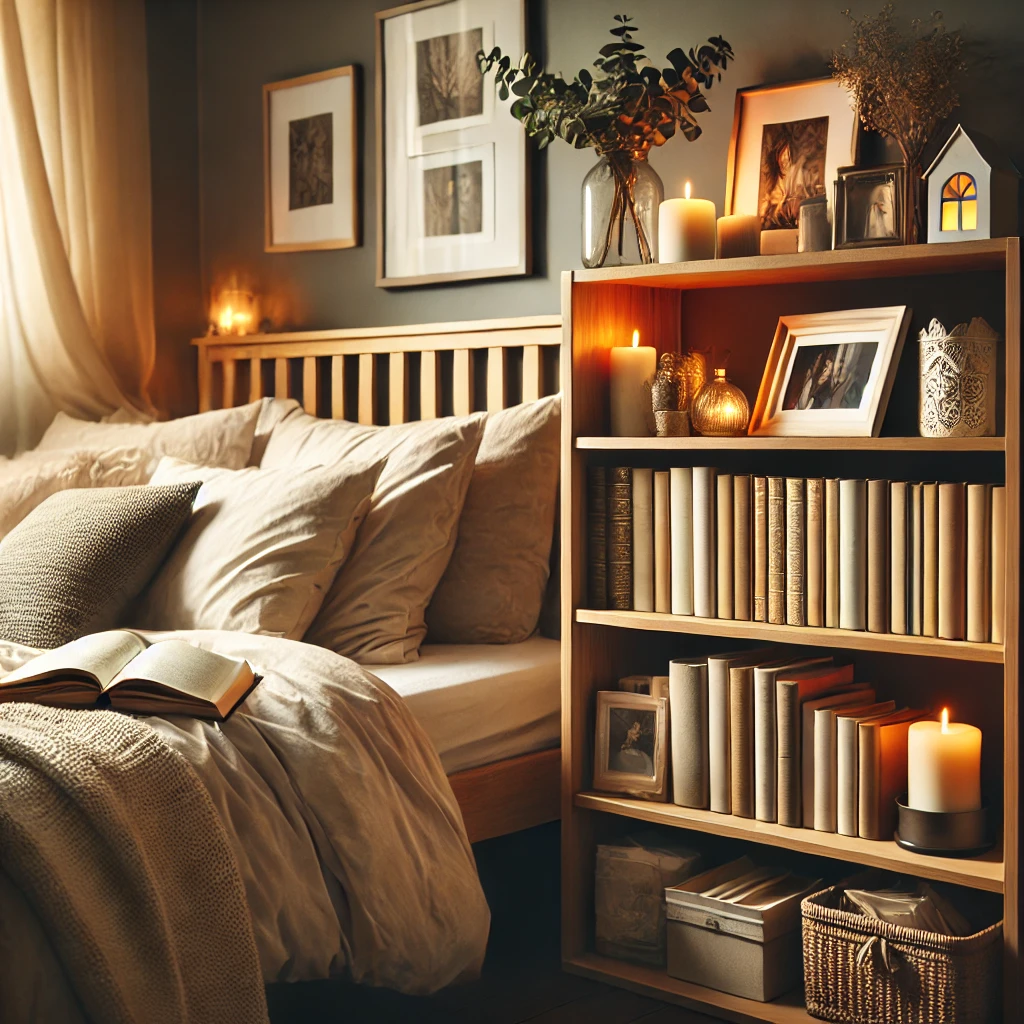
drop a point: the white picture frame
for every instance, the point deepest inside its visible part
(830, 374)
(310, 162)
(452, 174)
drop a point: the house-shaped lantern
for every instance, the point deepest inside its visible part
(972, 190)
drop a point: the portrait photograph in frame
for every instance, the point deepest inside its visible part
(788, 143)
(831, 374)
(630, 747)
(869, 207)
(310, 166)
(452, 175)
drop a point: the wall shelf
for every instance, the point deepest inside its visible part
(791, 444)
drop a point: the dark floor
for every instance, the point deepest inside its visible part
(522, 979)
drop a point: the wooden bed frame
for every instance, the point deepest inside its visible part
(386, 375)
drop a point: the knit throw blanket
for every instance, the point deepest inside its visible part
(117, 847)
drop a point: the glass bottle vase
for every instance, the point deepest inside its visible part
(621, 194)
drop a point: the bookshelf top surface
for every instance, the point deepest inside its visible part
(835, 265)
(745, 443)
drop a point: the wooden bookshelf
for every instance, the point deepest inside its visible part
(675, 306)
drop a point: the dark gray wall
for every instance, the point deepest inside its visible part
(244, 43)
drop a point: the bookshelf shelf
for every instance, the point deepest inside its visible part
(783, 444)
(984, 872)
(853, 640)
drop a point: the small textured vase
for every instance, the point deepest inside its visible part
(621, 195)
(720, 409)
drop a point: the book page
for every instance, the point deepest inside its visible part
(98, 658)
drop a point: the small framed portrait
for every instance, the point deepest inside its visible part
(788, 142)
(630, 753)
(309, 162)
(830, 374)
(869, 207)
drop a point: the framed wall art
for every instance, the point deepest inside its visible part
(869, 207)
(788, 143)
(310, 162)
(830, 374)
(452, 177)
(630, 751)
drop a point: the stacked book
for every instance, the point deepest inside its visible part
(886, 556)
(787, 737)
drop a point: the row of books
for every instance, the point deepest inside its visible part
(785, 737)
(886, 556)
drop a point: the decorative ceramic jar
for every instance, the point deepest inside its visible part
(621, 196)
(670, 397)
(958, 380)
(720, 409)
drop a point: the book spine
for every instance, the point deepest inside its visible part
(930, 560)
(915, 624)
(979, 587)
(741, 604)
(704, 541)
(868, 780)
(824, 771)
(719, 756)
(846, 776)
(776, 550)
(765, 746)
(832, 581)
(688, 723)
(760, 501)
(741, 740)
(643, 540)
(681, 539)
(597, 537)
(620, 539)
(723, 531)
(662, 549)
(878, 556)
(952, 551)
(796, 535)
(998, 563)
(790, 783)
(815, 552)
(899, 603)
(853, 514)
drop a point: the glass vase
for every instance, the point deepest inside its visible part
(621, 193)
(720, 409)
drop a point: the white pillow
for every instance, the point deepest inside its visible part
(222, 437)
(261, 549)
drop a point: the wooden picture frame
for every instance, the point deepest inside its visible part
(819, 382)
(781, 107)
(292, 221)
(490, 144)
(649, 716)
(854, 225)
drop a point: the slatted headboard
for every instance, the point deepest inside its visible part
(387, 375)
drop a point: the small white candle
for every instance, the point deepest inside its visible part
(632, 372)
(944, 766)
(686, 229)
(739, 235)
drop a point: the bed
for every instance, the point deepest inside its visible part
(394, 375)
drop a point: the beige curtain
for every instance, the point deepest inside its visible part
(76, 299)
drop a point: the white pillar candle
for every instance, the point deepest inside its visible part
(944, 766)
(686, 229)
(739, 235)
(632, 373)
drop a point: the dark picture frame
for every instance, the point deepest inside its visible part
(631, 744)
(869, 207)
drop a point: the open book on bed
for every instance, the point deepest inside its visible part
(119, 669)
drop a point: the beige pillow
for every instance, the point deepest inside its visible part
(28, 480)
(374, 612)
(261, 549)
(493, 589)
(220, 438)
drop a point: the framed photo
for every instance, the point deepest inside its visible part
(630, 751)
(452, 177)
(830, 374)
(309, 162)
(788, 143)
(869, 207)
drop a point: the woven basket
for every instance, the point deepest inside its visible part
(858, 970)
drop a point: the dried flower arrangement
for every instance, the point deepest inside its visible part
(904, 86)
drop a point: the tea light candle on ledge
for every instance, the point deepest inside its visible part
(739, 235)
(632, 371)
(686, 229)
(944, 766)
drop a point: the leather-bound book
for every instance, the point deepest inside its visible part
(930, 560)
(853, 554)
(723, 533)
(815, 569)
(796, 532)
(760, 546)
(899, 565)
(741, 605)
(979, 544)
(681, 538)
(620, 539)
(776, 549)
(952, 554)
(998, 531)
(847, 771)
(882, 771)
(597, 537)
(662, 550)
(704, 541)
(832, 553)
(878, 556)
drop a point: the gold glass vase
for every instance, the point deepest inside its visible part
(720, 409)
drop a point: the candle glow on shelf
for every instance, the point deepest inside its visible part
(720, 409)
(235, 312)
(686, 229)
(631, 375)
(944, 766)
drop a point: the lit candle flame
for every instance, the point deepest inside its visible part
(945, 719)
(686, 190)
(636, 338)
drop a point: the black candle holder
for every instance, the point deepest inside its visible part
(943, 833)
